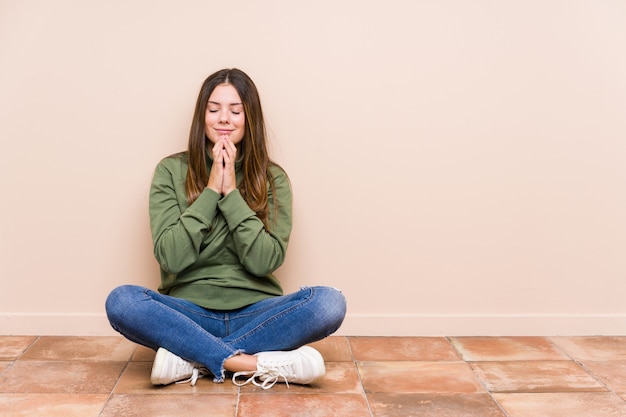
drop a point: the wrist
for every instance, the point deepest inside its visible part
(217, 191)
(228, 191)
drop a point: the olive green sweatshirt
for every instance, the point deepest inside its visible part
(216, 252)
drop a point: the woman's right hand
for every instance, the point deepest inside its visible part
(216, 176)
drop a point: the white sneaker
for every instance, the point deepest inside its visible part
(168, 368)
(301, 366)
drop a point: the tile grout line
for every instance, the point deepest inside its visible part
(117, 381)
(591, 374)
(18, 357)
(27, 348)
(582, 366)
(480, 381)
(358, 372)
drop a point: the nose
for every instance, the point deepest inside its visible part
(224, 116)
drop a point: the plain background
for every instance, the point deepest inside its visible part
(459, 167)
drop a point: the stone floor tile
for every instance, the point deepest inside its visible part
(576, 404)
(593, 348)
(506, 348)
(528, 376)
(90, 348)
(611, 373)
(334, 349)
(143, 354)
(4, 365)
(52, 405)
(535, 376)
(12, 347)
(429, 405)
(136, 380)
(340, 378)
(179, 405)
(418, 377)
(61, 377)
(302, 405)
(402, 349)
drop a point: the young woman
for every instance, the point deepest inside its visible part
(220, 216)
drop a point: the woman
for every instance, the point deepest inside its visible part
(220, 216)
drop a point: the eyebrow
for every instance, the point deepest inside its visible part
(219, 104)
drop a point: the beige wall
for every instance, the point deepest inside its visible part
(458, 167)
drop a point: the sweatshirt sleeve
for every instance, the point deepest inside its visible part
(259, 251)
(178, 232)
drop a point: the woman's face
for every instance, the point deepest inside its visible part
(224, 115)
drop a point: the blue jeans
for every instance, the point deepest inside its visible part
(210, 337)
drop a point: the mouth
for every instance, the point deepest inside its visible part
(223, 131)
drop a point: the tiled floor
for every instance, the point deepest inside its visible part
(366, 376)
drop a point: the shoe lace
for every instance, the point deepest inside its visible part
(196, 374)
(268, 377)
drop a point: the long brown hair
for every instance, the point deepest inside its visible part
(253, 147)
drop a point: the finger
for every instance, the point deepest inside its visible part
(227, 152)
(217, 148)
(230, 148)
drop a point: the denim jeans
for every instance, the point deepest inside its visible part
(210, 337)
